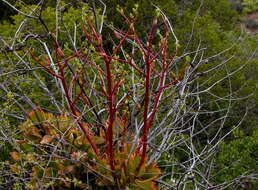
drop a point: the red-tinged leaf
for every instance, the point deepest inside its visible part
(49, 129)
(16, 156)
(74, 131)
(81, 141)
(102, 132)
(69, 169)
(46, 139)
(132, 165)
(98, 140)
(142, 171)
(32, 132)
(14, 168)
(118, 126)
(37, 116)
(59, 52)
(152, 172)
(71, 137)
(20, 141)
(78, 155)
(82, 186)
(61, 169)
(145, 185)
(62, 122)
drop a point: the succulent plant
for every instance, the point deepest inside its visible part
(53, 152)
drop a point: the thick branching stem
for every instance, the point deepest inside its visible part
(150, 59)
(112, 112)
(74, 110)
(75, 114)
(61, 76)
(148, 63)
(145, 114)
(110, 94)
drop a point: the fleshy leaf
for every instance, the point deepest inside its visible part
(46, 139)
(145, 185)
(133, 163)
(152, 172)
(37, 116)
(16, 156)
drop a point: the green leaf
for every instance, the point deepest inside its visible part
(145, 185)
(27, 147)
(188, 58)
(37, 116)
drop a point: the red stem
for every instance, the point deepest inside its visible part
(71, 104)
(128, 62)
(112, 111)
(110, 94)
(149, 60)
(146, 107)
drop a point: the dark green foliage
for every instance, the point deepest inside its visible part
(214, 25)
(238, 158)
(6, 12)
